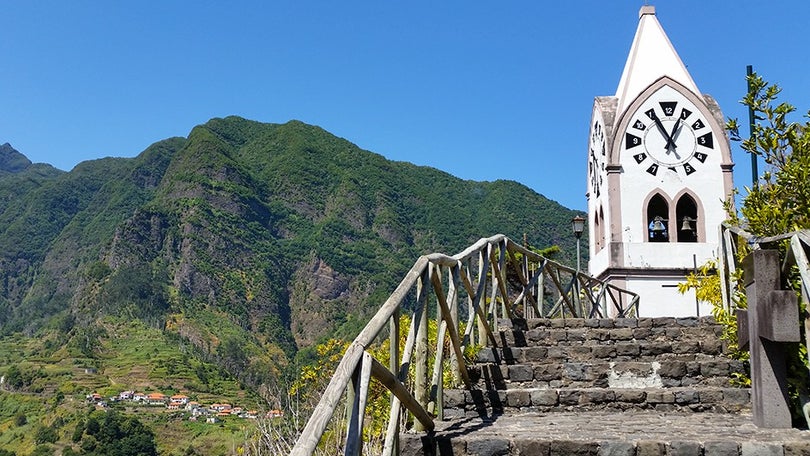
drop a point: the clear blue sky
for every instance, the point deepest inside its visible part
(481, 90)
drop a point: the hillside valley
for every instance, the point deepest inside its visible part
(212, 264)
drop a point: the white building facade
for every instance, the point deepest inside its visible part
(659, 172)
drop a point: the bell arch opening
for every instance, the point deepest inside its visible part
(657, 219)
(686, 212)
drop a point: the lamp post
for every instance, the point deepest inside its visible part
(578, 225)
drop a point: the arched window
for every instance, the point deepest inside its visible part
(601, 235)
(657, 222)
(686, 215)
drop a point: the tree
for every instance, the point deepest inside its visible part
(20, 419)
(46, 434)
(109, 433)
(779, 203)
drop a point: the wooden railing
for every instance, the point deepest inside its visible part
(735, 241)
(497, 278)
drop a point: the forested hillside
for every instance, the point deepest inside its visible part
(245, 243)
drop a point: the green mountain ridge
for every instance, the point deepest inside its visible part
(248, 241)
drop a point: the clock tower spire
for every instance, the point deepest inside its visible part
(651, 57)
(659, 170)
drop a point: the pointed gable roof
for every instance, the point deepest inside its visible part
(651, 57)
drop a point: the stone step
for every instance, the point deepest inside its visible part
(619, 351)
(689, 336)
(636, 433)
(460, 403)
(608, 323)
(668, 372)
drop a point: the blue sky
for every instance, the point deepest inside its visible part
(481, 90)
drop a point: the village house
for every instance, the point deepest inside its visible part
(174, 405)
(221, 408)
(156, 399)
(181, 398)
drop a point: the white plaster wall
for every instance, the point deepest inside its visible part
(659, 297)
(599, 262)
(667, 255)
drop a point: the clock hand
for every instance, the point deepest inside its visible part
(663, 130)
(676, 130)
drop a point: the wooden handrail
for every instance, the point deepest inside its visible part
(797, 254)
(495, 257)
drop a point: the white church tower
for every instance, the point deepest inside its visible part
(659, 170)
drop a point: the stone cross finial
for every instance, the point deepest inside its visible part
(772, 318)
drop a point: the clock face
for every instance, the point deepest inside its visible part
(668, 133)
(596, 156)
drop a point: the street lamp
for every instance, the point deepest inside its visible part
(578, 225)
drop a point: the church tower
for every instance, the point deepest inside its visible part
(659, 171)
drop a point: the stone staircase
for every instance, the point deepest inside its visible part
(648, 386)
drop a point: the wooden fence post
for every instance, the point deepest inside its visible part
(420, 357)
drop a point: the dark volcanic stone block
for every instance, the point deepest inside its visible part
(625, 323)
(660, 397)
(761, 449)
(714, 368)
(545, 398)
(518, 398)
(721, 449)
(521, 373)
(663, 321)
(684, 448)
(630, 396)
(683, 347)
(672, 369)
(737, 396)
(573, 448)
(686, 321)
(650, 448)
(598, 396)
(642, 333)
(655, 348)
(687, 397)
(576, 334)
(603, 351)
(621, 334)
(488, 447)
(627, 349)
(529, 446)
(454, 398)
(547, 372)
(617, 448)
(577, 371)
(569, 397)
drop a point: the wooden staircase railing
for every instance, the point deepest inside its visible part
(733, 239)
(734, 242)
(498, 279)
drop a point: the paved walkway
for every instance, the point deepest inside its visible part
(636, 433)
(627, 426)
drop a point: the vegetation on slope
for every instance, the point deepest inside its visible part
(240, 246)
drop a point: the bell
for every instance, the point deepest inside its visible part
(658, 224)
(687, 225)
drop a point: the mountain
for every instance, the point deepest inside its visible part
(247, 241)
